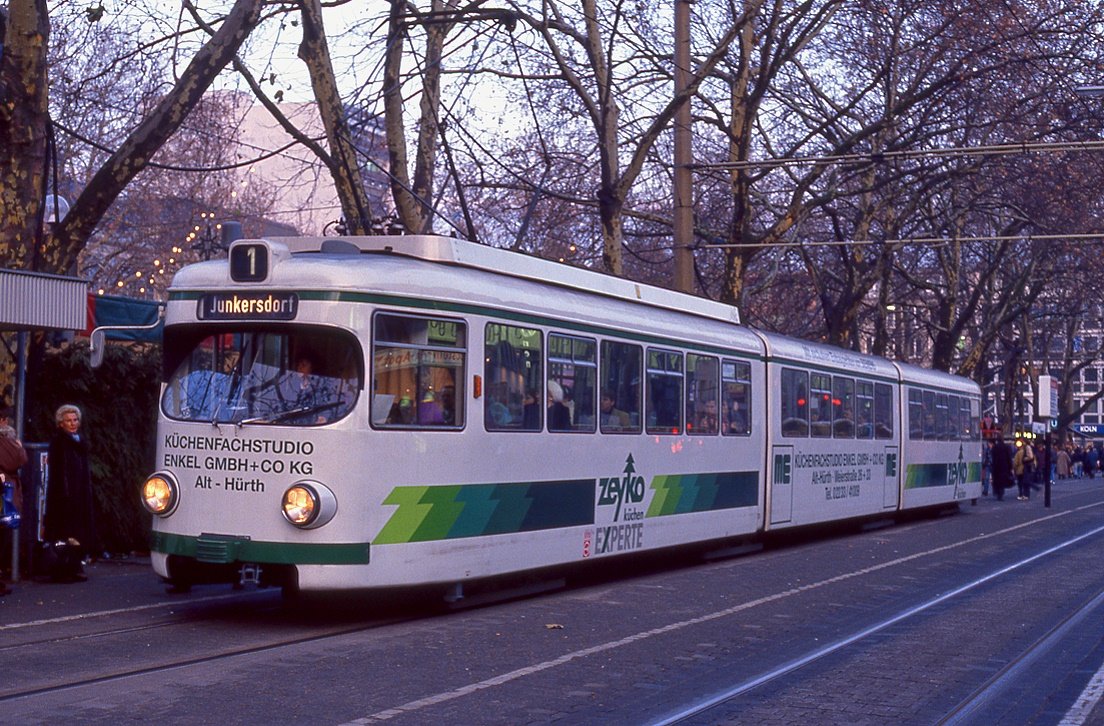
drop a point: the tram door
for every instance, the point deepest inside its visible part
(892, 483)
(781, 473)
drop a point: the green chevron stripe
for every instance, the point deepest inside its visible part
(685, 493)
(426, 513)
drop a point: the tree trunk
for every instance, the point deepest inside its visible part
(23, 128)
(315, 53)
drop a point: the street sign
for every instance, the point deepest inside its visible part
(1088, 429)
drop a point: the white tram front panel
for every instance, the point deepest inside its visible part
(834, 434)
(408, 495)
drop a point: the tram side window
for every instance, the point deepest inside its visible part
(419, 372)
(864, 410)
(843, 407)
(513, 379)
(820, 406)
(795, 402)
(573, 364)
(619, 398)
(664, 392)
(701, 395)
(971, 425)
(883, 411)
(916, 414)
(736, 398)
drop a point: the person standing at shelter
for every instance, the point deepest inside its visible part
(12, 458)
(70, 504)
(1023, 465)
(1002, 468)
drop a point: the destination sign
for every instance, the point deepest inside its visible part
(248, 306)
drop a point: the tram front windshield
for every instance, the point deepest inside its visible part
(300, 376)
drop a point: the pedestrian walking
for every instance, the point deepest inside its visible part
(1002, 468)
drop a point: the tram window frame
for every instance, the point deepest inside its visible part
(736, 391)
(506, 407)
(843, 407)
(884, 423)
(702, 388)
(864, 409)
(954, 422)
(943, 419)
(417, 416)
(931, 426)
(794, 408)
(820, 405)
(663, 392)
(916, 414)
(620, 369)
(575, 369)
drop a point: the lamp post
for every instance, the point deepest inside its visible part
(208, 238)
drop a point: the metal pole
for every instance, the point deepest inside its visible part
(20, 405)
(1046, 463)
(684, 201)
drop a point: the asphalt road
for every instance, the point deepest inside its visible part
(991, 615)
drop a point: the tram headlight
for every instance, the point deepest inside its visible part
(308, 504)
(160, 494)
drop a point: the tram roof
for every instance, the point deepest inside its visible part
(451, 251)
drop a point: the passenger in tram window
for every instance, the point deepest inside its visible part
(613, 418)
(439, 408)
(735, 422)
(706, 421)
(559, 417)
(301, 388)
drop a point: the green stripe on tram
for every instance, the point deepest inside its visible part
(920, 476)
(428, 513)
(225, 549)
(686, 493)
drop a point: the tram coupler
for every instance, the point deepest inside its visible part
(250, 575)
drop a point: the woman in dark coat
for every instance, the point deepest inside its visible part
(70, 507)
(1002, 468)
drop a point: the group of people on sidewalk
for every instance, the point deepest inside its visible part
(69, 518)
(1006, 465)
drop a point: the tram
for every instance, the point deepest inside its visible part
(373, 412)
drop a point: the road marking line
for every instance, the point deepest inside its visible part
(116, 611)
(672, 627)
(1083, 707)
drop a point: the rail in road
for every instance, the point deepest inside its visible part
(992, 615)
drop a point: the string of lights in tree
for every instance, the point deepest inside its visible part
(203, 238)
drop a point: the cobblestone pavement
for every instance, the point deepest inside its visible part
(635, 645)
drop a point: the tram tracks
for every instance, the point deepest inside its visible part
(967, 710)
(47, 684)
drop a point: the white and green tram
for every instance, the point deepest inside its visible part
(373, 412)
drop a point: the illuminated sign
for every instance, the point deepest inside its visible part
(248, 306)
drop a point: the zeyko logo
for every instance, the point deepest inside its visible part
(623, 489)
(957, 472)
